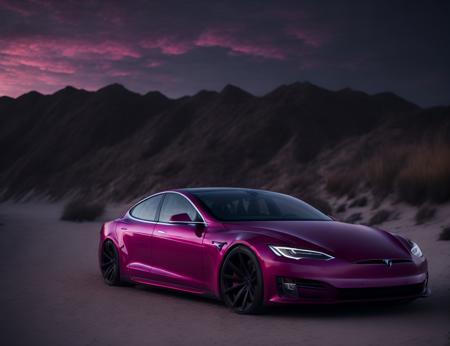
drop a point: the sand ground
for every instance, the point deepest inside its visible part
(52, 294)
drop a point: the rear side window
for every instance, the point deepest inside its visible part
(175, 204)
(146, 210)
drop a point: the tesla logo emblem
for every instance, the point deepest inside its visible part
(388, 262)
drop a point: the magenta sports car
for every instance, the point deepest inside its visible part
(253, 248)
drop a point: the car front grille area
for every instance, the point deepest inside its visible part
(318, 290)
(380, 292)
(383, 261)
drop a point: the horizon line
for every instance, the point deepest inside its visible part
(227, 85)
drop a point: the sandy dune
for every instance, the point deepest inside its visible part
(52, 294)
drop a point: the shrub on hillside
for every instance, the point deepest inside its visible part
(359, 202)
(341, 208)
(319, 203)
(445, 234)
(424, 214)
(379, 217)
(354, 218)
(79, 210)
(341, 184)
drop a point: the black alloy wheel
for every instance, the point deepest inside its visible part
(109, 264)
(241, 281)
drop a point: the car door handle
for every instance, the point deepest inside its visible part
(162, 232)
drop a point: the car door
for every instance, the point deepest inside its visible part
(137, 229)
(177, 247)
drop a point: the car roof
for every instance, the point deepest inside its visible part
(215, 189)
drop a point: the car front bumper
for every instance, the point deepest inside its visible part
(338, 281)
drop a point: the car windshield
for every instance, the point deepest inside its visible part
(255, 205)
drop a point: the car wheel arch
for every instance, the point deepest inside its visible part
(233, 246)
(118, 248)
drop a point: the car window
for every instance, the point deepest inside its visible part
(175, 204)
(251, 205)
(146, 210)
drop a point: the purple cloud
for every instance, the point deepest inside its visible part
(180, 47)
(237, 45)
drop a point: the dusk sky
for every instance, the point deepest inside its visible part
(181, 47)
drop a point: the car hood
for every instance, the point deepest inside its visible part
(341, 240)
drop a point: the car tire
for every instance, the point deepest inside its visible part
(241, 281)
(109, 264)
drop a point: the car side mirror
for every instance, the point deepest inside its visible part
(180, 218)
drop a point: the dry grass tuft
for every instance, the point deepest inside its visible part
(415, 172)
(382, 169)
(426, 175)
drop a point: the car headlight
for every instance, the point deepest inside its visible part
(415, 249)
(297, 254)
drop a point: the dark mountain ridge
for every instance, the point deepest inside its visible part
(115, 144)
